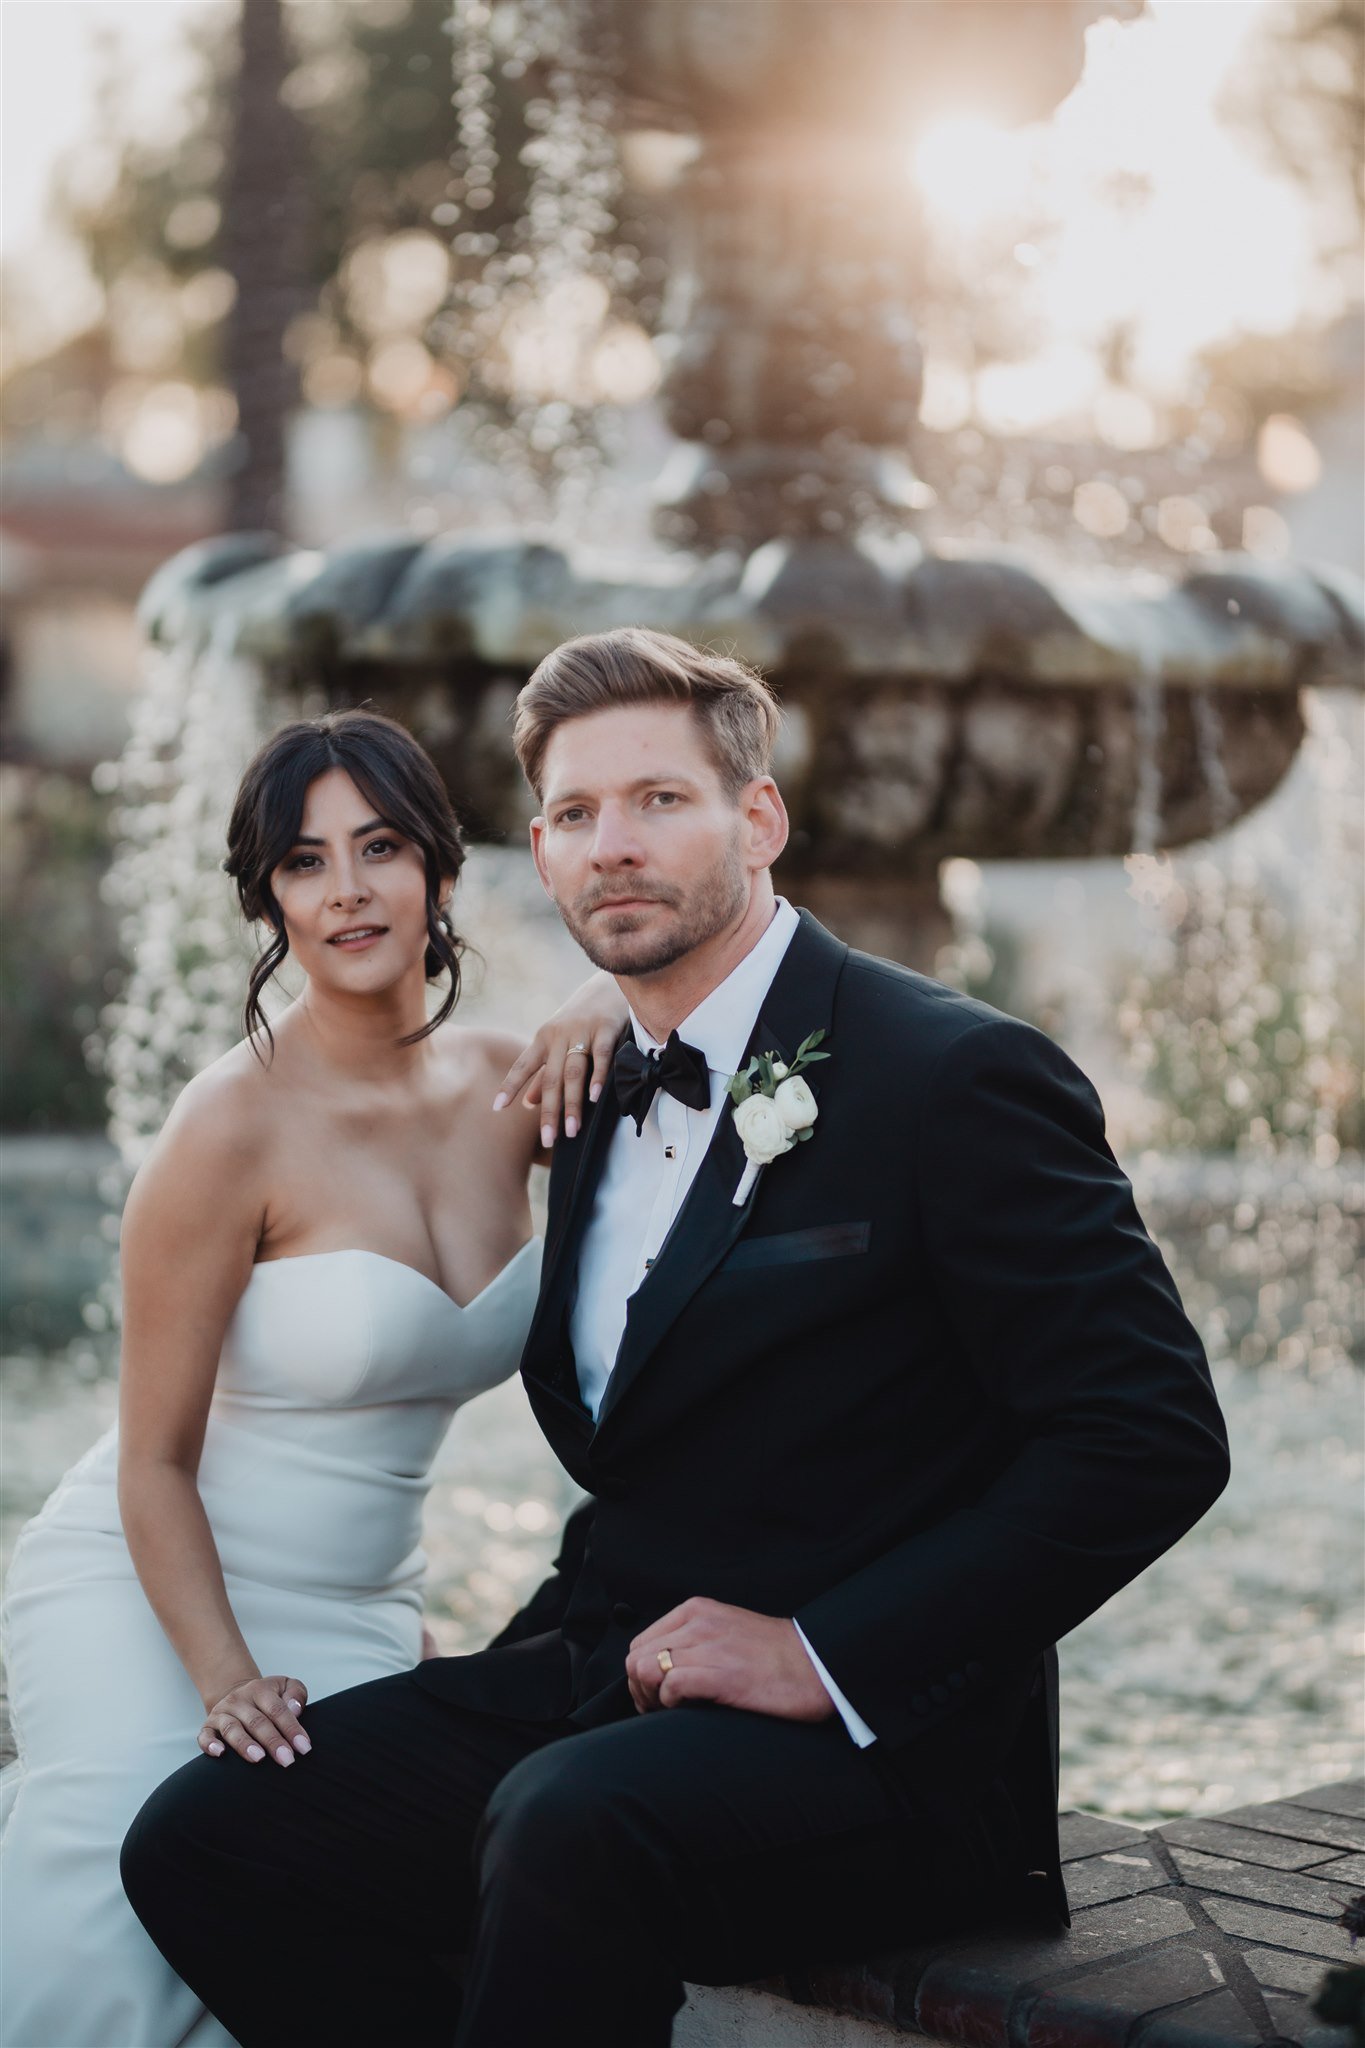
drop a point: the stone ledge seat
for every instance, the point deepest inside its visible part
(1203, 1933)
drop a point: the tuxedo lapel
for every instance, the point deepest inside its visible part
(706, 1227)
(543, 1352)
(800, 1001)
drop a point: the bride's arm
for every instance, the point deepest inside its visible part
(572, 1048)
(190, 1231)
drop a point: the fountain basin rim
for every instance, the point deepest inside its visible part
(854, 615)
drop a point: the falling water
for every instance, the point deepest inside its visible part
(530, 300)
(194, 726)
(1208, 740)
(1149, 726)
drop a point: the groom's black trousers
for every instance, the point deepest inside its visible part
(587, 1875)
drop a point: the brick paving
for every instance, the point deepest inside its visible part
(1208, 1933)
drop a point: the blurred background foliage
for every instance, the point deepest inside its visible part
(58, 949)
(1236, 1039)
(369, 87)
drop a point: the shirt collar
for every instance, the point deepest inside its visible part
(721, 1024)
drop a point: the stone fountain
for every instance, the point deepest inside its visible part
(940, 702)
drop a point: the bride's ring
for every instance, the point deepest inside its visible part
(578, 1048)
(665, 1661)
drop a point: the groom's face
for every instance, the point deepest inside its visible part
(645, 852)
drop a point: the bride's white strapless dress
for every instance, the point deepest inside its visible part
(339, 1375)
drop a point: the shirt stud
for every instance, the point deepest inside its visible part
(670, 1151)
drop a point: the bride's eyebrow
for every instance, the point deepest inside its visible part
(375, 825)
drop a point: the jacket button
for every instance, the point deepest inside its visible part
(623, 1614)
(918, 1703)
(974, 1670)
(940, 1695)
(610, 1488)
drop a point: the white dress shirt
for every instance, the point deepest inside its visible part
(646, 1179)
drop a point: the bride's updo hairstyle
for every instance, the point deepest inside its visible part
(397, 777)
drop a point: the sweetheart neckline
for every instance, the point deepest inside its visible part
(363, 1252)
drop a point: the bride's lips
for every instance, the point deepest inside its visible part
(358, 939)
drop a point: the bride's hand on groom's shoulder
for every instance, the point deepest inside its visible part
(258, 1718)
(571, 1053)
(705, 1650)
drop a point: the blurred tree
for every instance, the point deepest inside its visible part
(177, 225)
(1304, 98)
(264, 237)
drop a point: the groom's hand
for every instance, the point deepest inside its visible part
(726, 1654)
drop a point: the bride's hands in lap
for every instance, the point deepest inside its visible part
(258, 1718)
(571, 1050)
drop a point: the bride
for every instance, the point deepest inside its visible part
(327, 1251)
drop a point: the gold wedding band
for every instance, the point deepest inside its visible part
(665, 1661)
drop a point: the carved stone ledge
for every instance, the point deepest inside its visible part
(939, 704)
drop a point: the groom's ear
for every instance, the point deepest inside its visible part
(538, 831)
(766, 820)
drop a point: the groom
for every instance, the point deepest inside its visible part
(864, 1434)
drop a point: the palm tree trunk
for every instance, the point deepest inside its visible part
(264, 247)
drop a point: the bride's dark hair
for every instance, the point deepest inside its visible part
(393, 773)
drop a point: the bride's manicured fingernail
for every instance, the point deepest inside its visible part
(294, 1706)
(571, 1126)
(215, 1749)
(302, 1744)
(254, 1752)
(547, 1135)
(500, 1101)
(595, 1091)
(284, 1754)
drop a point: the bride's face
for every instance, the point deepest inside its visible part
(353, 893)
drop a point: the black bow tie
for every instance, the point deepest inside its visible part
(679, 1069)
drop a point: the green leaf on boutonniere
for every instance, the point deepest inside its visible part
(741, 1086)
(808, 1045)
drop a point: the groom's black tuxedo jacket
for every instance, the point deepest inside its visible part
(931, 1391)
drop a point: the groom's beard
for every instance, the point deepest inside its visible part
(617, 941)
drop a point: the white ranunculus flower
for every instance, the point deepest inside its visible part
(762, 1131)
(795, 1104)
(780, 1070)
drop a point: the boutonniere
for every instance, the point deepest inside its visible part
(774, 1108)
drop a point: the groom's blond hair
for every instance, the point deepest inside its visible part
(731, 702)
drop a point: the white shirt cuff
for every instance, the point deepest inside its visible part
(851, 1718)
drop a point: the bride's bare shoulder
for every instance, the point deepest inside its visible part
(221, 1119)
(476, 1063)
(477, 1052)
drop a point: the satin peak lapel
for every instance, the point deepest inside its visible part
(542, 1352)
(801, 1000)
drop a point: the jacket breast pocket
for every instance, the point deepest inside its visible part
(796, 1247)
